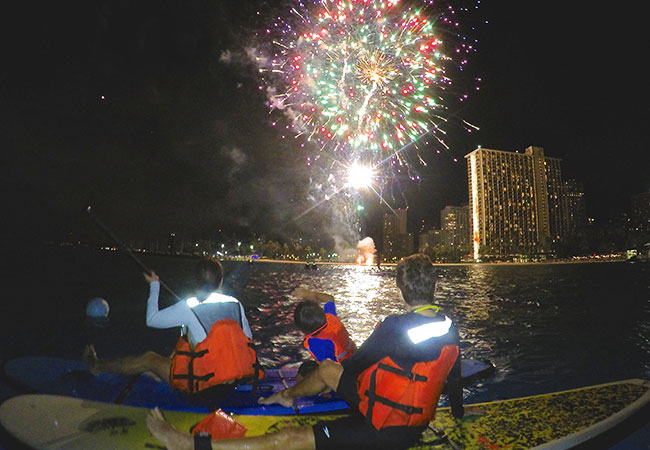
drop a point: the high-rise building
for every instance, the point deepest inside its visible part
(397, 241)
(573, 201)
(430, 239)
(515, 203)
(454, 223)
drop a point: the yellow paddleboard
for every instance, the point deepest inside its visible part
(558, 420)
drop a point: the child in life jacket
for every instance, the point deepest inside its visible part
(325, 335)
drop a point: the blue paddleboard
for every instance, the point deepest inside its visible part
(67, 377)
(58, 376)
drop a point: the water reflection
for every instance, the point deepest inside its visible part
(364, 296)
(545, 327)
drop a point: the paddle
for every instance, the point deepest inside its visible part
(128, 251)
(132, 381)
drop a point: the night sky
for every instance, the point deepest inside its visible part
(147, 110)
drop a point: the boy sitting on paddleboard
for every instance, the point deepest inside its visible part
(214, 350)
(325, 335)
(392, 382)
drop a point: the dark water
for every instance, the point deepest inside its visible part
(545, 327)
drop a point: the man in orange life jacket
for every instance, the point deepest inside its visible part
(213, 350)
(392, 382)
(325, 335)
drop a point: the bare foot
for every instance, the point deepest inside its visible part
(91, 359)
(166, 433)
(278, 397)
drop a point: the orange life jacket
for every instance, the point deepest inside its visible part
(225, 355)
(335, 331)
(392, 396)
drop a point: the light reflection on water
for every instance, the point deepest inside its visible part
(363, 296)
(545, 327)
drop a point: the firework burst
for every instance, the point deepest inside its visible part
(365, 78)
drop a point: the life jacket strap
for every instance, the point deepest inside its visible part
(192, 376)
(412, 376)
(374, 398)
(258, 370)
(192, 354)
(316, 331)
(408, 409)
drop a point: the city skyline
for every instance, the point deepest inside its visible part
(136, 110)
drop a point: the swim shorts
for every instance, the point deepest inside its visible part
(354, 432)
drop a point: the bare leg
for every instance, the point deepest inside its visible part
(326, 376)
(294, 438)
(166, 433)
(129, 365)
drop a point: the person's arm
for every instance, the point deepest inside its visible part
(330, 308)
(322, 349)
(172, 316)
(152, 301)
(244, 322)
(302, 293)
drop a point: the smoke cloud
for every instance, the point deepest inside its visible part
(366, 248)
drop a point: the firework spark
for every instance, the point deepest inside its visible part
(364, 78)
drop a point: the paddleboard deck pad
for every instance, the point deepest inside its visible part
(58, 376)
(555, 421)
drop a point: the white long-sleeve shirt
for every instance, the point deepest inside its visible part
(180, 314)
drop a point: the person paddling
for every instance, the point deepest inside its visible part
(214, 350)
(392, 382)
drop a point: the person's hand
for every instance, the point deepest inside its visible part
(150, 277)
(301, 293)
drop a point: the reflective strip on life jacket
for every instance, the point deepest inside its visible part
(335, 331)
(214, 297)
(429, 330)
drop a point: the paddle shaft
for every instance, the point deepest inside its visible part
(128, 251)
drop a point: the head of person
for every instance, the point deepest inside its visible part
(309, 316)
(209, 275)
(416, 279)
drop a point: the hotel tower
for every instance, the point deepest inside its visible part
(514, 203)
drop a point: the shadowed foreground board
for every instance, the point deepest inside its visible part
(557, 420)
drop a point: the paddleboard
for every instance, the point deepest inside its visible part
(67, 377)
(554, 421)
(58, 376)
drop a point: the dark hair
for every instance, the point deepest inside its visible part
(416, 278)
(309, 316)
(209, 274)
